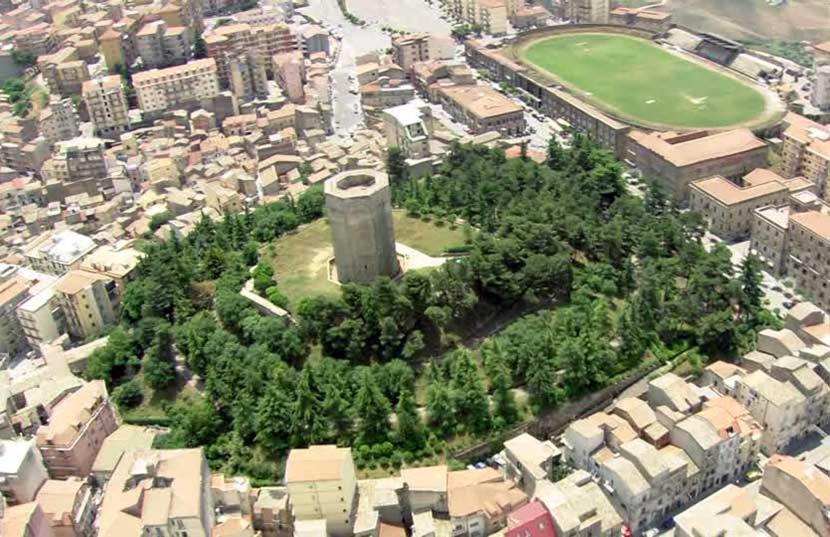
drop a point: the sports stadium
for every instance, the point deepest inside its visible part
(642, 81)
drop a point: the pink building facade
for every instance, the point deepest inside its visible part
(531, 520)
(76, 430)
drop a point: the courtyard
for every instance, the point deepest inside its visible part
(300, 260)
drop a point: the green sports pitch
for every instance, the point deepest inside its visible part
(636, 79)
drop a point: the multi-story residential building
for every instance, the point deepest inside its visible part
(588, 11)
(529, 460)
(801, 488)
(531, 520)
(59, 120)
(79, 159)
(482, 109)
(407, 127)
(247, 76)
(63, 71)
(289, 72)
(820, 96)
(777, 405)
(808, 259)
(56, 252)
(159, 45)
(13, 291)
(77, 427)
(479, 501)
(735, 511)
(426, 488)
(176, 87)
(385, 93)
(409, 49)
(722, 440)
(489, 15)
(580, 508)
(41, 317)
(115, 261)
(25, 520)
(679, 159)
(805, 151)
(321, 483)
(21, 470)
(729, 208)
(650, 484)
(167, 492)
(110, 47)
(107, 105)
(585, 437)
(68, 506)
(271, 512)
(260, 41)
(89, 301)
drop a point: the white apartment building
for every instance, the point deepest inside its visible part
(21, 470)
(56, 252)
(321, 483)
(164, 89)
(407, 127)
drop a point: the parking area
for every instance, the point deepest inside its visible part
(403, 15)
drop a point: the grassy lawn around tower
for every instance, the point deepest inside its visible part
(639, 80)
(300, 259)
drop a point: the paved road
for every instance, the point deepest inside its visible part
(355, 42)
(739, 252)
(403, 15)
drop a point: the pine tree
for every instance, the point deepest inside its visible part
(752, 292)
(505, 404)
(372, 410)
(410, 430)
(307, 425)
(439, 406)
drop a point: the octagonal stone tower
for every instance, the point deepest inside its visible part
(359, 207)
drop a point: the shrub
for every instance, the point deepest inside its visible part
(128, 395)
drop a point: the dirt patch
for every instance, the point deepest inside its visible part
(755, 19)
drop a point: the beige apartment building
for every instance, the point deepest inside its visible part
(290, 74)
(59, 120)
(808, 261)
(728, 207)
(77, 427)
(321, 484)
(680, 158)
(88, 300)
(13, 291)
(159, 45)
(588, 11)
(158, 492)
(580, 508)
(78, 159)
(481, 108)
(259, 41)
(777, 405)
(159, 90)
(806, 151)
(41, 317)
(107, 105)
(490, 15)
(801, 488)
(410, 49)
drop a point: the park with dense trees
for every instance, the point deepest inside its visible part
(595, 282)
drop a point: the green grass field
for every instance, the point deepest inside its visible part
(637, 79)
(300, 260)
